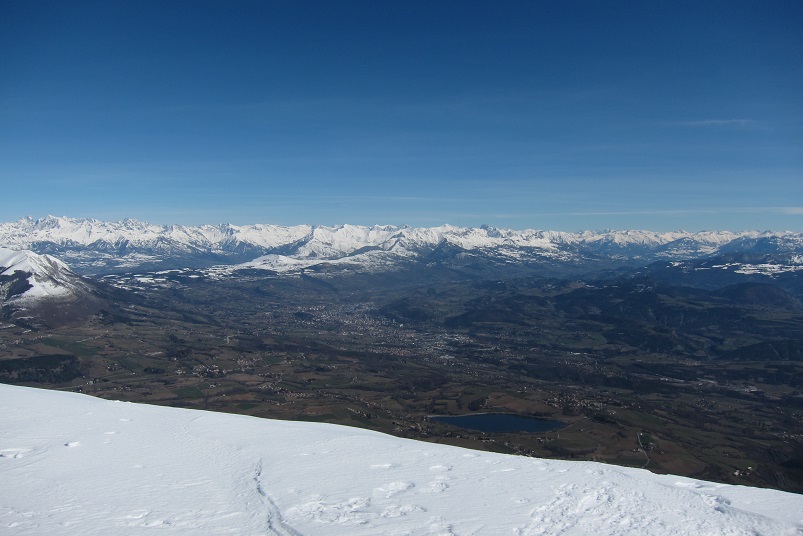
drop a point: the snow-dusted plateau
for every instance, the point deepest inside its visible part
(76, 465)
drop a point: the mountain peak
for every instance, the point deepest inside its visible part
(30, 277)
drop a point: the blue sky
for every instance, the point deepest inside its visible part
(565, 115)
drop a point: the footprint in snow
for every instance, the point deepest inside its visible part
(440, 468)
(393, 488)
(438, 485)
(14, 453)
(695, 485)
(400, 510)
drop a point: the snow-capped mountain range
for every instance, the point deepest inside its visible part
(77, 465)
(93, 246)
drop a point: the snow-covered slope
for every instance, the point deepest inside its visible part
(72, 464)
(26, 277)
(96, 246)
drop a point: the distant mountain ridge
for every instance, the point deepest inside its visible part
(95, 246)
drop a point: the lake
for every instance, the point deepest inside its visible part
(499, 422)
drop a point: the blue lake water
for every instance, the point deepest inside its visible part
(499, 422)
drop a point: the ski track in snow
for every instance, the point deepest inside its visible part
(275, 523)
(75, 465)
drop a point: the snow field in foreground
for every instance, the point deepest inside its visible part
(73, 464)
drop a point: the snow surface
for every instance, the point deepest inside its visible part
(73, 464)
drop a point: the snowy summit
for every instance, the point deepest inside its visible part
(73, 464)
(44, 276)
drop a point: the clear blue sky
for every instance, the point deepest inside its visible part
(562, 115)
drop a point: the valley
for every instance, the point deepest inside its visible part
(703, 383)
